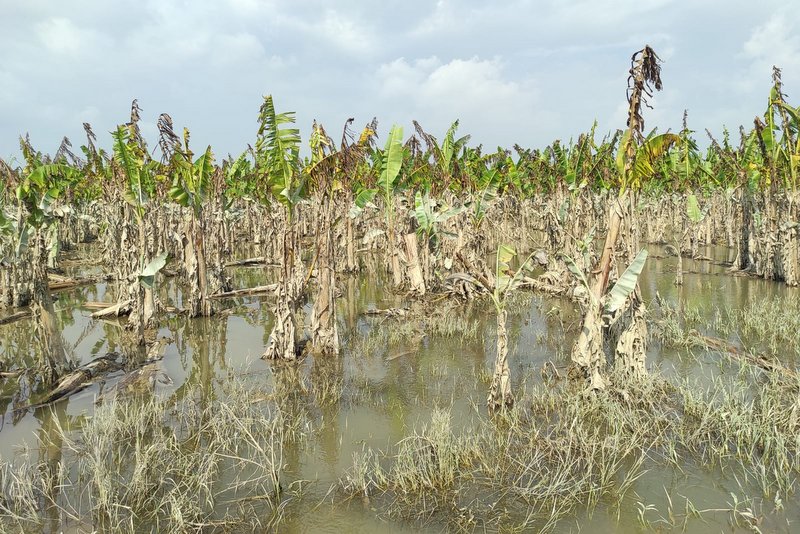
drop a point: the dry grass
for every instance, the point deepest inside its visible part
(193, 465)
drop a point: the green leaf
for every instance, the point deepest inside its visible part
(277, 153)
(423, 212)
(577, 273)
(504, 255)
(626, 284)
(364, 196)
(148, 275)
(392, 160)
(179, 194)
(203, 170)
(693, 209)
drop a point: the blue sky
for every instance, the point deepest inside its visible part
(522, 72)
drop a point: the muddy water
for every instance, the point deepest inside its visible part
(391, 376)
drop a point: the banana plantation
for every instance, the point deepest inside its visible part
(408, 333)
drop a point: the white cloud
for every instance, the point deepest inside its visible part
(459, 85)
(478, 92)
(775, 42)
(61, 36)
(346, 33)
(524, 71)
(236, 48)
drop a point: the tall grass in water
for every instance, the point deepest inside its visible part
(563, 452)
(141, 465)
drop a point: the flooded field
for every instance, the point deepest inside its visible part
(392, 435)
(597, 335)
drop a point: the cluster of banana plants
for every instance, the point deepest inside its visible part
(429, 208)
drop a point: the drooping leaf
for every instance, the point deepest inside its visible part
(577, 272)
(364, 196)
(505, 254)
(148, 275)
(626, 284)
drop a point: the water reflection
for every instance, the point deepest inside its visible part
(391, 374)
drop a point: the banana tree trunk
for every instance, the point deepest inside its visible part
(143, 311)
(283, 339)
(587, 353)
(197, 268)
(324, 331)
(500, 395)
(631, 350)
(414, 268)
(351, 246)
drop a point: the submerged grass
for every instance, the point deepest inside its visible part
(140, 465)
(563, 451)
(770, 325)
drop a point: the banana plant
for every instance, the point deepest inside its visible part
(390, 161)
(447, 155)
(634, 171)
(506, 279)
(277, 164)
(601, 313)
(190, 188)
(277, 154)
(792, 148)
(429, 215)
(36, 194)
(489, 186)
(138, 171)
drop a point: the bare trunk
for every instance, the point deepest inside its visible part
(351, 246)
(587, 353)
(500, 395)
(283, 339)
(414, 268)
(324, 331)
(631, 349)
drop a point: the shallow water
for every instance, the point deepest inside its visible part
(390, 377)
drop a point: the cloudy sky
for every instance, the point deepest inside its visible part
(518, 71)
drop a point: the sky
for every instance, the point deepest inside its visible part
(525, 72)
